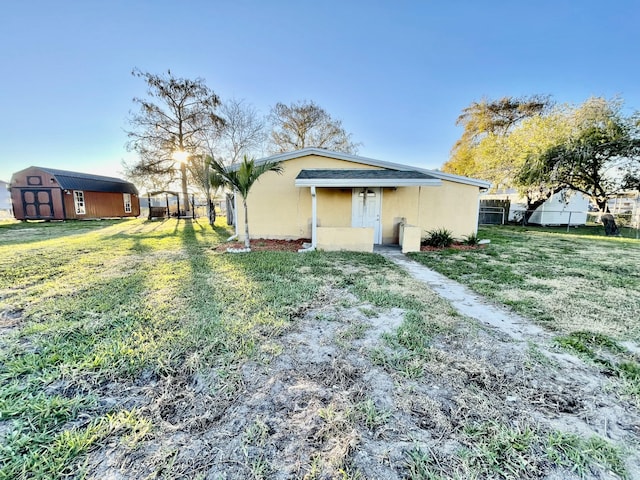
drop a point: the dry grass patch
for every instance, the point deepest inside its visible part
(199, 364)
(564, 282)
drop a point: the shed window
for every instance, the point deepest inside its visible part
(127, 202)
(78, 201)
(34, 180)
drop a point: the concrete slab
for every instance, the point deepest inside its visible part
(467, 302)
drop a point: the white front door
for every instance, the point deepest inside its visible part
(366, 208)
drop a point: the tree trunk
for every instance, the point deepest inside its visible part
(211, 212)
(247, 244)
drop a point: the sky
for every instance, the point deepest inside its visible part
(397, 73)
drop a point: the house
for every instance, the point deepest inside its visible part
(347, 202)
(562, 208)
(5, 200)
(41, 193)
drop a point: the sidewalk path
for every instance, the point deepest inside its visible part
(465, 301)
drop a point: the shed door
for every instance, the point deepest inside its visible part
(37, 204)
(366, 207)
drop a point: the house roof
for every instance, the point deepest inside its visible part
(86, 181)
(281, 157)
(363, 178)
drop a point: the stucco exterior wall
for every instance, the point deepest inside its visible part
(410, 238)
(454, 206)
(345, 238)
(279, 209)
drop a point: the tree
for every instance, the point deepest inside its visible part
(198, 168)
(244, 132)
(492, 119)
(173, 119)
(305, 124)
(601, 157)
(241, 178)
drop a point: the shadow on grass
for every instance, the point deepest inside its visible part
(31, 232)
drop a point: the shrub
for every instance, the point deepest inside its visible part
(439, 238)
(471, 239)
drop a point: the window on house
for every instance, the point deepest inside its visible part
(78, 201)
(127, 202)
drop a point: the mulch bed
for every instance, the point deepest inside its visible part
(268, 245)
(271, 245)
(455, 246)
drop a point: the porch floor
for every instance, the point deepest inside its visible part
(391, 247)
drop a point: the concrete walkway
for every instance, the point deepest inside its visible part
(465, 301)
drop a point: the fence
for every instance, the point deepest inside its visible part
(493, 216)
(628, 223)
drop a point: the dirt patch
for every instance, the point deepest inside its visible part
(326, 407)
(271, 245)
(10, 318)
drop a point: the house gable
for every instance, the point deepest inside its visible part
(319, 152)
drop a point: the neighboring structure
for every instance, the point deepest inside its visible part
(563, 208)
(626, 208)
(5, 200)
(627, 202)
(343, 201)
(49, 194)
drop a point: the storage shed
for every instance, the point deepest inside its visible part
(39, 193)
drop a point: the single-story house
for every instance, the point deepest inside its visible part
(342, 201)
(41, 193)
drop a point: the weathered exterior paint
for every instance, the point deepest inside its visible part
(280, 210)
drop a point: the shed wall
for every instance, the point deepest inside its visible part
(38, 184)
(101, 205)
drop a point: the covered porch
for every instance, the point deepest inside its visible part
(355, 209)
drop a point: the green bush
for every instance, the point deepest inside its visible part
(471, 239)
(439, 238)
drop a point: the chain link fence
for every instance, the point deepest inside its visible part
(628, 223)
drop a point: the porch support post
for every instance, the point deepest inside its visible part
(235, 212)
(314, 218)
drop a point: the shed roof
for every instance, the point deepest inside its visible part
(87, 181)
(363, 178)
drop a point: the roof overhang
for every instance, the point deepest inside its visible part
(281, 157)
(362, 182)
(349, 178)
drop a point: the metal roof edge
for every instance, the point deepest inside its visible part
(367, 182)
(321, 152)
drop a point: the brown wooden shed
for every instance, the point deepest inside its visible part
(39, 193)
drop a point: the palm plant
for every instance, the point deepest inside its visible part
(241, 178)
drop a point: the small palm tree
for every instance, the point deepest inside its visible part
(241, 178)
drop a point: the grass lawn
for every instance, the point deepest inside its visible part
(134, 349)
(566, 283)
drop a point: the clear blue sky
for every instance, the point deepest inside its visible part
(397, 73)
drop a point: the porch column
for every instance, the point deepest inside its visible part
(314, 217)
